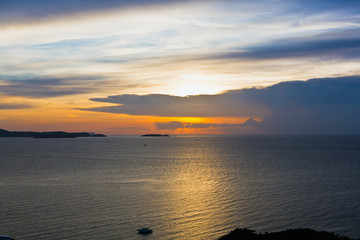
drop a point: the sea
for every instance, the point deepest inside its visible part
(182, 187)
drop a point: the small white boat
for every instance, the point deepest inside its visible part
(145, 230)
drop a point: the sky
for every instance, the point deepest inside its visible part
(180, 67)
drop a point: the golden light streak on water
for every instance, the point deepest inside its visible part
(196, 193)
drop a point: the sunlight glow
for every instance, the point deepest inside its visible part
(196, 84)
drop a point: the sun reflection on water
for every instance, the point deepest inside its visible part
(195, 193)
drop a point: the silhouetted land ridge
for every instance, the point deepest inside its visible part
(155, 135)
(6, 238)
(289, 234)
(55, 134)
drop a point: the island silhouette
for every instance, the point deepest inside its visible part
(54, 134)
(155, 135)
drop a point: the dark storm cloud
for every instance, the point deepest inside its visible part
(24, 10)
(328, 105)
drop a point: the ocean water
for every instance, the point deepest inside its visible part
(185, 187)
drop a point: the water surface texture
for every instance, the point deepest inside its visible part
(190, 187)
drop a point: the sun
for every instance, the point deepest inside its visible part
(195, 84)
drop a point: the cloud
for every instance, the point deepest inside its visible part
(337, 46)
(201, 125)
(44, 87)
(173, 125)
(328, 105)
(15, 9)
(24, 10)
(327, 5)
(7, 106)
(184, 37)
(247, 124)
(130, 128)
(190, 106)
(169, 125)
(251, 123)
(48, 86)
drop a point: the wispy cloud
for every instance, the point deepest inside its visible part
(216, 37)
(7, 106)
(45, 87)
(55, 86)
(24, 10)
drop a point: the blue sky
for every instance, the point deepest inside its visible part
(58, 56)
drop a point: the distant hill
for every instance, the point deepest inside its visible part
(293, 234)
(55, 134)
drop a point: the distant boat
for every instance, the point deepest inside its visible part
(145, 230)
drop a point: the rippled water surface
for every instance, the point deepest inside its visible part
(182, 187)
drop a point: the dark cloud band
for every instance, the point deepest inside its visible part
(299, 48)
(24, 10)
(328, 105)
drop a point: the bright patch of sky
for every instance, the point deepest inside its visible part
(173, 46)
